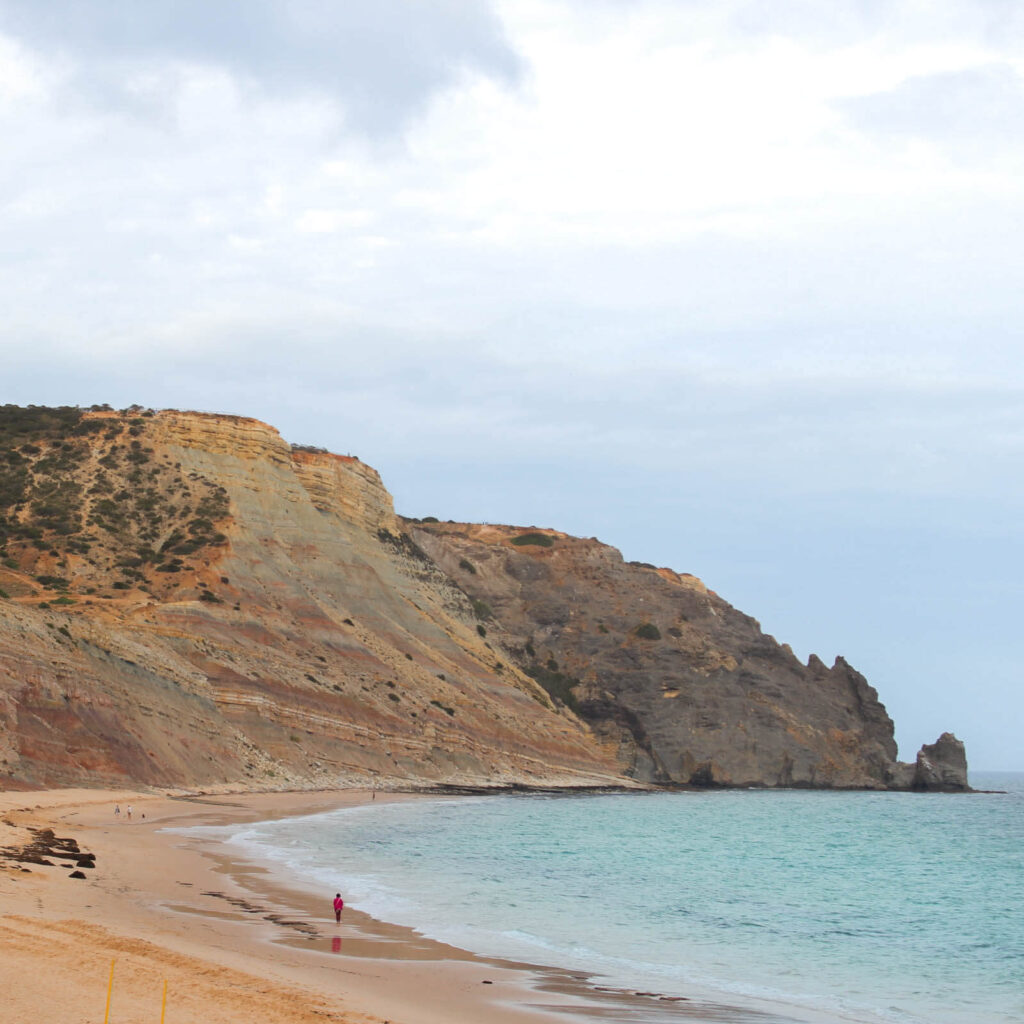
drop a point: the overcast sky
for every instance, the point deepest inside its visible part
(733, 286)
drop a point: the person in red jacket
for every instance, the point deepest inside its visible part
(339, 906)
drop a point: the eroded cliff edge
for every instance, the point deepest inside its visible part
(690, 690)
(186, 599)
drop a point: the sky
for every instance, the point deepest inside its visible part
(732, 286)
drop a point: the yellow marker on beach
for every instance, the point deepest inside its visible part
(163, 1005)
(110, 988)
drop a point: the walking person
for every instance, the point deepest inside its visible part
(339, 906)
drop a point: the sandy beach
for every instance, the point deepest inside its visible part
(232, 942)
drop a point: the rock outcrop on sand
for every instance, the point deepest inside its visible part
(186, 599)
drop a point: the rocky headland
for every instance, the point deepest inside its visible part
(188, 600)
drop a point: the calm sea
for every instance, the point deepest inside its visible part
(873, 907)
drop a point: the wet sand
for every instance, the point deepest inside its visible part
(236, 943)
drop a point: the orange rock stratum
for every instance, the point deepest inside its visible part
(188, 600)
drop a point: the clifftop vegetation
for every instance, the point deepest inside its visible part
(85, 504)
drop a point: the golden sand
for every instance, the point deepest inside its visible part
(233, 943)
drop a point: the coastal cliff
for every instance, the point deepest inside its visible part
(186, 599)
(689, 689)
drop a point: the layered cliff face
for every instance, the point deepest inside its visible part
(687, 688)
(209, 605)
(186, 599)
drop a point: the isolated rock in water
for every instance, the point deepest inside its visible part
(941, 766)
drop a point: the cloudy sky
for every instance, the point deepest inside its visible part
(733, 286)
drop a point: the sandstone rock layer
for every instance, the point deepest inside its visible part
(186, 599)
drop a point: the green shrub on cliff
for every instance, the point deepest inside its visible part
(541, 540)
(53, 582)
(557, 684)
(647, 631)
(37, 422)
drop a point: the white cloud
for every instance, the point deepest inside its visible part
(21, 78)
(737, 255)
(380, 60)
(331, 221)
(976, 113)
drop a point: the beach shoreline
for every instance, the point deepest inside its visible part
(236, 940)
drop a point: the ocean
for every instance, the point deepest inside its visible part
(882, 908)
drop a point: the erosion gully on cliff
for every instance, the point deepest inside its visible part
(186, 599)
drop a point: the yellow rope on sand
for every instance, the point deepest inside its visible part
(110, 988)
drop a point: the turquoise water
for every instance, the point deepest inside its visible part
(868, 907)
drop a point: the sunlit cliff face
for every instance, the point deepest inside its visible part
(189, 600)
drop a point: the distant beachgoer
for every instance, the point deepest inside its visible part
(128, 809)
(339, 906)
(117, 810)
